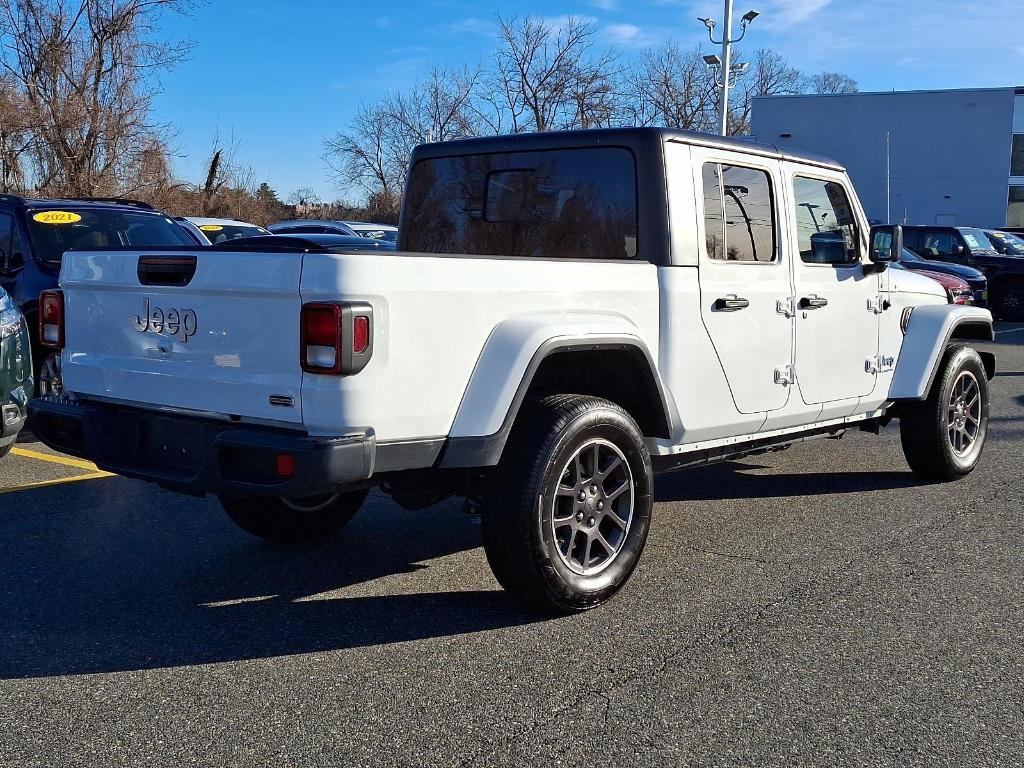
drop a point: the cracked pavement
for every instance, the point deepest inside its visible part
(814, 606)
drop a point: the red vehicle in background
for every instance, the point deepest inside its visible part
(958, 291)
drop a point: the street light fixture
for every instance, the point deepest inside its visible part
(724, 62)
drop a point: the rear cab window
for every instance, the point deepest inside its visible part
(55, 231)
(565, 203)
(739, 213)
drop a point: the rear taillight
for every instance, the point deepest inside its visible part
(51, 319)
(336, 338)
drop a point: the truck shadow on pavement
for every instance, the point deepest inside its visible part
(114, 575)
(732, 480)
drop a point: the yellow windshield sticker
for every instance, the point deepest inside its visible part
(211, 228)
(56, 217)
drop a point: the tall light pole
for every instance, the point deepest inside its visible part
(725, 63)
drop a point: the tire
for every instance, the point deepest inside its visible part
(278, 519)
(541, 543)
(1008, 301)
(943, 437)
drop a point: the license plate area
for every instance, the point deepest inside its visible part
(176, 444)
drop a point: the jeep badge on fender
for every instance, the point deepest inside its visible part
(179, 323)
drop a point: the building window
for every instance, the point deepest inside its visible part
(1017, 155)
(1015, 208)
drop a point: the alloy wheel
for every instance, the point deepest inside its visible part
(964, 414)
(593, 507)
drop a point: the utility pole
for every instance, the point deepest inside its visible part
(725, 62)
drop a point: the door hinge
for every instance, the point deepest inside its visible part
(879, 364)
(878, 304)
(785, 375)
(786, 307)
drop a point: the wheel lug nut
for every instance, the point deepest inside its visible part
(590, 521)
(600, 505)
(593, 489)
(579, 517)
(582, 496)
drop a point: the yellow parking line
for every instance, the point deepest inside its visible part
(58, 481)
(67, 461)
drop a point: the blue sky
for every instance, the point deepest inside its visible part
(279, 77)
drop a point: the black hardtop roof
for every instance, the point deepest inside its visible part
(634, 138)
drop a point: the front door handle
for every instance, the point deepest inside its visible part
(813, 302)
(730, 304)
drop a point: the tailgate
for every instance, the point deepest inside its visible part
(226, 342)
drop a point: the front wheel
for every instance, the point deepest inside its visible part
(569, 506)
(943, 436)
(279, 519)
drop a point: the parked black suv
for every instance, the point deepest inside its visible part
(971, 246)
(35, 233)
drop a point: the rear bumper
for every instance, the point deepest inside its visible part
(200, 456)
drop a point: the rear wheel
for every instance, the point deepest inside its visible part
(567, 513)
(280, 519)
(943, 436)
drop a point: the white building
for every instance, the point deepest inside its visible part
(952, 157)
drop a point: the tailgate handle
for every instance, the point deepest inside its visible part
(167, 270)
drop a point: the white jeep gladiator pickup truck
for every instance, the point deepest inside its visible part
(567, 314)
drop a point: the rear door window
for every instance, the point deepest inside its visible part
(739, 213)
(566, 204)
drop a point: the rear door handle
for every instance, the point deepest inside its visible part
(813, 302)
(731, 304)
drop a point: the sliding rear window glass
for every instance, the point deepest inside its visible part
(571, 204)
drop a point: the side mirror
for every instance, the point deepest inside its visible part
(886, 244)
(958, 250)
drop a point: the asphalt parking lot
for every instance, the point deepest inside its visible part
(810, 607)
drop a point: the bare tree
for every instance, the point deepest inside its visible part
(15, 137)
(769, 74)
(672, 88)
(86, 70)
(547, 78)
(833, 82)
(373, 154)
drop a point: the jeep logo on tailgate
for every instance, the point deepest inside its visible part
(182, 324)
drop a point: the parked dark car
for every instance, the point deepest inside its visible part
(312, 227)
(973, 277)
(313, 242)
(1006, 243)
(35, 233)
(15, 372)
(957, 289)
(970, 246)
